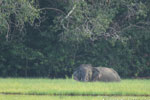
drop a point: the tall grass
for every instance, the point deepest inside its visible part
(69, 86)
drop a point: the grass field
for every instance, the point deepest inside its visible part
(69, 86)
(24, 97)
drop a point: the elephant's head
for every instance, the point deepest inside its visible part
(83, 73)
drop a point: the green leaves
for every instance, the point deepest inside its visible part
(114, 34)
(86, 21)
(92, 20)
(15, 13)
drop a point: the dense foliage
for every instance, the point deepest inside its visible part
(50, 38)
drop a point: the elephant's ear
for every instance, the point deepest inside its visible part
(77, 75)
(95, 70)
(95, 74)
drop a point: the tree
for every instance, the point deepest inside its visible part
(14, 14)
(92, 19)
(85, 28)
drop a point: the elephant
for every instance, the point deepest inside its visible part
(83, 73)
(87, 73)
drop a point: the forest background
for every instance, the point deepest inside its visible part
(50, 38)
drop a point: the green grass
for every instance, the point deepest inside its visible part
(24, 97)
(69, 86)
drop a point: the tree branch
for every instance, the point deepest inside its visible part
(71, 11)
(52, 9)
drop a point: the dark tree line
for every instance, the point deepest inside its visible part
(50, 38)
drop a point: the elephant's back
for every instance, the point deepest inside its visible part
(108, 74)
